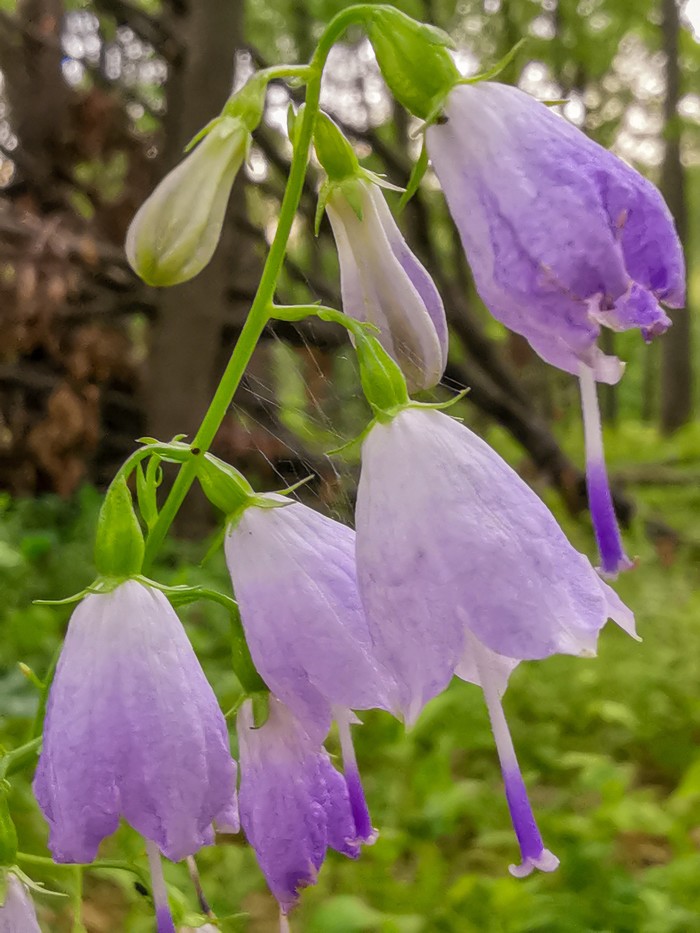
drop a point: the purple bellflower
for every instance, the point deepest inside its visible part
(293, 572)
(382, 282)
(450, 541)
(132, 730)
(294, 804)
(17, 914)
(563, 238)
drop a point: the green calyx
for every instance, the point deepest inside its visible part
(413, 58)
(119, 545)
(383, 382)
(226, 488)
(334, 151)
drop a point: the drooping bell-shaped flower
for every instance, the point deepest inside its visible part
(293, 573)
(294, 804)
(382, 282)
(563, 238)
(17, 913)
(451, 540)
(132, 730)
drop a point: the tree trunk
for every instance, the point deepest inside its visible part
(676, 359)
(186, 338)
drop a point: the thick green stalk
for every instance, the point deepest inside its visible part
(259, 313)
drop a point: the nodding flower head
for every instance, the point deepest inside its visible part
(562, 236)
(293, 572)
(382, 282)
(451, 541)
(132, 730)
(294, 804)
(17, 913)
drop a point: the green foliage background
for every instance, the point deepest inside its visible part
(608, 747)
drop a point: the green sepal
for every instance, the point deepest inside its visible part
(248, 104)
(8, 833)
(417, 173)
(382, 381)
(334, 151)
(147, 484)
(119, 545)
(413, 58)
(261, 708)
(226, 488)
(350, 188)
(499, 67)
(441, 406)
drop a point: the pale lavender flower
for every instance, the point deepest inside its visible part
(563, 238)
(451, 540)
(132, 730)
(17, 913)
(384, 283)
(294, 804)
(293, 573)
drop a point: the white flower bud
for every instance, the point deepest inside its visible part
(176, 230)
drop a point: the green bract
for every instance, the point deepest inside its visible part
(119, 545)
(413, 59)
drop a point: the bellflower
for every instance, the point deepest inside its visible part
(293, 802)
(563, 238)
(176, 230)
(293, 573)
(382, 282)
(450, 541)
(132, 730)
(17, 913)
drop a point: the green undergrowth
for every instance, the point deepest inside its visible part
(609, 749)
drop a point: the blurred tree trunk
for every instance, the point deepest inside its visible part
(39, 97)
(676, 358)
(186, 337)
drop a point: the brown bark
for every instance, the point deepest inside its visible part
(676, 356)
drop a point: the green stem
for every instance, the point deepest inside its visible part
(77, 899)
(19, 758)
(259, 313)
(43, 861)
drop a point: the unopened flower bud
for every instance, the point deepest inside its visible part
(176, 230)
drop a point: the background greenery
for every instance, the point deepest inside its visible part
(609, 747)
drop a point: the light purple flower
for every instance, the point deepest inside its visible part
(451, 540)
(17, 913)
(563, 238)
(294, 804)
(132, 730)
(293, 572)
(382, 282)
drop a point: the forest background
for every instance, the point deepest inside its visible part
(97, 100)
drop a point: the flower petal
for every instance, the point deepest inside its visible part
(384, 284)
(132, 729)
(293, 571)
